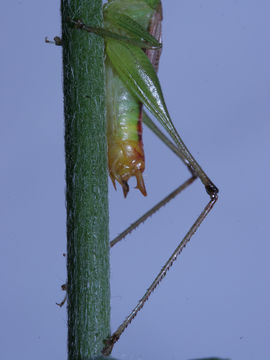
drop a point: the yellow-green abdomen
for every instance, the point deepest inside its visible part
(124, 122)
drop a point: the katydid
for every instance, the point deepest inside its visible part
(132, 33)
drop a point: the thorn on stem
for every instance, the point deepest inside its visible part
(56, 41)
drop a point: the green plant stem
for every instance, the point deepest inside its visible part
(86, 182)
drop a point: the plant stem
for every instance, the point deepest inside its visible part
(86, 181)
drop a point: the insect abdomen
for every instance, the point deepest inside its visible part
(125, 147)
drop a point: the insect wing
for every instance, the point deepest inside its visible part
(137, 72)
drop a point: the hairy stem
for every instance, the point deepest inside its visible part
(86, 181)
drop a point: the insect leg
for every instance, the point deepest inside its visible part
(152, 211)
(172, 195)
(148, 43)
(109, 343)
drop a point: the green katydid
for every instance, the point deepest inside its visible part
(132, 33)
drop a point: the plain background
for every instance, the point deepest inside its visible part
(215, 300)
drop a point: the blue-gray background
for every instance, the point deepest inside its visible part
(215, 300)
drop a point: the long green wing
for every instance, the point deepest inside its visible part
(136, 71)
